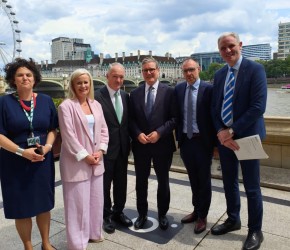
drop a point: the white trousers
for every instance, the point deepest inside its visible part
(83, 206)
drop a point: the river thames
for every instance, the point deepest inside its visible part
(278, 103)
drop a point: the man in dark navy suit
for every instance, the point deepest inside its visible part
(115, 104)
(196, 136)
(152, 121)
(239, 102)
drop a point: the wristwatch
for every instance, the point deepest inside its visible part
(231, 131)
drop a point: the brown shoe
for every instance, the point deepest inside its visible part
(189, 218)
(200, 225)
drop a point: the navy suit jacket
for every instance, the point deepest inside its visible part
(203, 113)
(119, 140)
(163, 119)
(249, 100)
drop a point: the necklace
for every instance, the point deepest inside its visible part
(26, 107)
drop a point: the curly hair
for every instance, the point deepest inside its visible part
(11, 68)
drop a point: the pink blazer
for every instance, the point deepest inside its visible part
(77, 142)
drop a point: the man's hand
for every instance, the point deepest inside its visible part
(142, 138)
(224, 135)
(153, 137)
(231, 144)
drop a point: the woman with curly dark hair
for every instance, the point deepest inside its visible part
(28, 123)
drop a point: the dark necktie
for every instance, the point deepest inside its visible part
(190, 111)
(227, 110)
(149, 102)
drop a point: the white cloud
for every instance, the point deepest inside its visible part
(177, 27)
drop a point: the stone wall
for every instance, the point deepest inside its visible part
(277, 142)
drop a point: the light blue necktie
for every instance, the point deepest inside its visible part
(190, 111)
(118, 106)
(227, 110)
(149, 102)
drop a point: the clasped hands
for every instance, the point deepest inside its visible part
(95, 158)
(153, 137)
(226, 139)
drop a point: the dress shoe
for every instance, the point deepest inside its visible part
(108, 225)
(123, 219)
(226, 227)
(200, 225)
(163, 222)
(189, 218)
(139, 223)
(96, 240)
(42, 248)
(253, 241)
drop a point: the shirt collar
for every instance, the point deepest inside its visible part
(111, 91)
(155, 85)
(237, 65)
(195, 85)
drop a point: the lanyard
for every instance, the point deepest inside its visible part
(28, 115)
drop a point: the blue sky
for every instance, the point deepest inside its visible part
(179, 27)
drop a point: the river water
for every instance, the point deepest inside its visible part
(278, 103)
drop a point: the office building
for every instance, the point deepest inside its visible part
(283, 40)
(257, 51)
(206, 58)
(64, 48)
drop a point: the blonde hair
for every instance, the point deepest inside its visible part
(78, 72)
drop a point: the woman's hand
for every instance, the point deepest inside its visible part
(31, 155)
(98, 155)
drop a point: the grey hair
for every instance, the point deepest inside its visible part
(78, 72)
(111, 65)
(150, 59)
(233, 34)
(189, 59)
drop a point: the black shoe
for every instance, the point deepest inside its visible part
(253, 241)
(108, 225)
(226, 227)
(163, 222)
(139, 223)
(122, 219)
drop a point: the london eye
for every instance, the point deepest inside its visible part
(10, 41)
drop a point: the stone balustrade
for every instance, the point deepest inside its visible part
(277, 142)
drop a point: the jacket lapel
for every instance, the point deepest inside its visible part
(83, 118)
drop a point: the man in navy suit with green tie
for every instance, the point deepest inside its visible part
(239, 102)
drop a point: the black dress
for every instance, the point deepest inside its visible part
(27, 188)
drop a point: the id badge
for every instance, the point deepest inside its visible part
(31, 141)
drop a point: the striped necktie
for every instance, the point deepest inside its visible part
(190, 111)
(118, 108)
(227, 110)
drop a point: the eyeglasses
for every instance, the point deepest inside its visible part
(152, 70)
(190, 70)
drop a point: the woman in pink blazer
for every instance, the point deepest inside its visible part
(84, 141)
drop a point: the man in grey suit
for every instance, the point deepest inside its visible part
(152, 121)
(115, 104)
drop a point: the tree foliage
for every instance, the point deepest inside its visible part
(275, 68)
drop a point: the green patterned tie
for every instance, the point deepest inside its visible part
(118, 108)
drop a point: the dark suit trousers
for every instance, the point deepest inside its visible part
(162, 164)
(251, 180)
(197, 159)
(116, 174)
